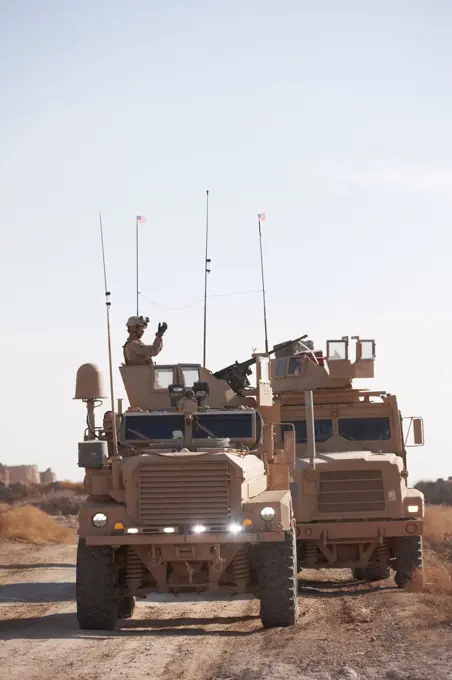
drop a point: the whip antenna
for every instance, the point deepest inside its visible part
(261, 218)
(206, 272)
(110, 360)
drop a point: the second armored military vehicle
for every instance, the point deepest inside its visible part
(351, 500)
(195, 499)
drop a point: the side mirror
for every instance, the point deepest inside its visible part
(414, 432)
(418, 431)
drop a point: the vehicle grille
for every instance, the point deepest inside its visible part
(343, 491)
(182, 492)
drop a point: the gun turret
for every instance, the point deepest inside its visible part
(236, 375)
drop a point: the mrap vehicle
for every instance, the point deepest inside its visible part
(193, 498)
(351, 500)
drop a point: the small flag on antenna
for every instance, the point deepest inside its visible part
(261, 217)
(141, 218)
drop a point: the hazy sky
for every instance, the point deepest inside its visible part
(332, 117)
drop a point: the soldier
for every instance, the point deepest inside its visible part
(136, 353)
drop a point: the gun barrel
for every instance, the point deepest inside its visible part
(287, 343)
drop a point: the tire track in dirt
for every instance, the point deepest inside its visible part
(346, 630)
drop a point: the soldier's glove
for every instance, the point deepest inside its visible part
(162, 328)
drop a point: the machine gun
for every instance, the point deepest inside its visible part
(236, 375)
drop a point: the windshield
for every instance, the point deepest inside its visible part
(139, 427)
(233, 426)
(365, 429)
(236, 426)
(323, 430)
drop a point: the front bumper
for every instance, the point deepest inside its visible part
(357, 532)
(252, 538)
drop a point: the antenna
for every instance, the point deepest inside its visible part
(206, 271)
(137, 265)
(261, 217)
(110, 361)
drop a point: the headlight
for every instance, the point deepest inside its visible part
(169, 530)
(199, 529)
(413, 509)
(132, 530)
(268, 514)
(234, 528)
(99, 520)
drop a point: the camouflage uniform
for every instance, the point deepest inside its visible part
(136, 353)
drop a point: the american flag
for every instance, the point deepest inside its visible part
(141, 218)
(261, 217)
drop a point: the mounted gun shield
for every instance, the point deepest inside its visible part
(236, 375)
(351, 501)
(190, 505)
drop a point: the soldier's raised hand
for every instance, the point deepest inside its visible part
(162, 327)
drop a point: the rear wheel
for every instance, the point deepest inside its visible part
(277, 575)
(408, 561)
(97, 603)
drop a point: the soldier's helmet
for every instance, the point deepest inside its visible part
(141, 321)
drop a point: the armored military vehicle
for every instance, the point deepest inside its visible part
(191, 497)
(351, 500)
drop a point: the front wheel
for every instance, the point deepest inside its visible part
(408, 561)
(97, 603)
(278, 586)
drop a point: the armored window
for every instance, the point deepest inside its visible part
(280, 370)
(337, 349)
(164, 377)
(323, 430)
(295, 366)
(191, 375)
(365, 429)
(367, 349)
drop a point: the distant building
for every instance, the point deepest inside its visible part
(4, 475)
(48, 477)
(24, 474)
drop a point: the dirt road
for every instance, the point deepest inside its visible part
(346, 631)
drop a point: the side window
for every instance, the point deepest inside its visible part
(163, 378)
(365, 429)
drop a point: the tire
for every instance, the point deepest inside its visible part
(126, 607)
(97, 602)
(408, 559)
(277, 576)
(357, 574)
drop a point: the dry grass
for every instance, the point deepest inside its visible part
(438, 549)
(76, 487)
(438, 524)
(31, 524)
